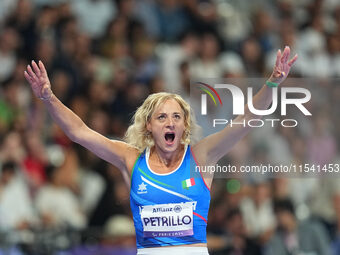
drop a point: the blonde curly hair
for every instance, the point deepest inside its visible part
(137, 134)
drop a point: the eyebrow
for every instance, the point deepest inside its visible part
(166, 113)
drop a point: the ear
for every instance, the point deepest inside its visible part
(148, 126)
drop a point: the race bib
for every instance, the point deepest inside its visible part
(167, 220)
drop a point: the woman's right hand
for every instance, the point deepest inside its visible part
(38, 79)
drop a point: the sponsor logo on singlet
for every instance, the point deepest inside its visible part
(142, 188)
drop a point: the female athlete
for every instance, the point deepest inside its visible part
(169, 208)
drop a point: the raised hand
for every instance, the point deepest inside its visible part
(38, 79)
(282, 66)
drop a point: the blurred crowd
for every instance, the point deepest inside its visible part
(103, 58)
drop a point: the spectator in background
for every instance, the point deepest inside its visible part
(202, 16)
(208, 61)
(172, 56)
(321, 146)
(258, 212)
(16, 209)
(6, 7)
(321, 150)
(22, 20)
(295, 237)
(236, 240)
(9, 43)
(36, 159)
(94, 15)
(119, 231)
(12, 148)
(240, 241)
(263, 29)
(8, 111)
(298, 190)
(172, 20)
(57, 205)
(287, 35)
(252, 55)
(314, 47)
(333, 48)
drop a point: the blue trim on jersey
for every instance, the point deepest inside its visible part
(149, 188)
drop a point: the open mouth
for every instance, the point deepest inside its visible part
(169, 137)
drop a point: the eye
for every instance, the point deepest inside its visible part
(177, 116)
(161, 117)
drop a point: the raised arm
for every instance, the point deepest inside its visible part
(117, 153)
(212, 148)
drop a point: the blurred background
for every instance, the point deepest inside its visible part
(103, 58)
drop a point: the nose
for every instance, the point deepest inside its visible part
(170, 123)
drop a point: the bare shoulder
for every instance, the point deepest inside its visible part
(199, 151)
(128, 152)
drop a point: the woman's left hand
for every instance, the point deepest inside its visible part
(282, 66)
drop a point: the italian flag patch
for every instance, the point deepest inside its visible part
(186, 184)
